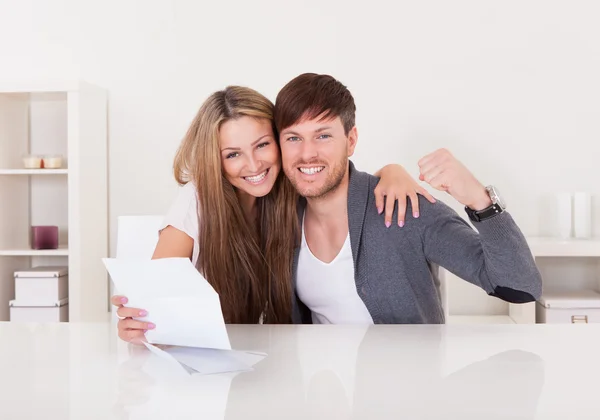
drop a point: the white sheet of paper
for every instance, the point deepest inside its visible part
(179, 368)
(208, 361)
(180, 302)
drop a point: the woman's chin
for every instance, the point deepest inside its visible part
(255, 190)
(260, 191)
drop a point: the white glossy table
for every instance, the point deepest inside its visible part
(82, 371)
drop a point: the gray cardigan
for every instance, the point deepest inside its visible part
(396, 269)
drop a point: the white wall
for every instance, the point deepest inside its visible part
(511, 87)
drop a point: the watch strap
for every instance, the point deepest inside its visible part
(487, 213)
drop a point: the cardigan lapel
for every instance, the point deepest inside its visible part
(359, 192)
(300, 313)
(358, 198)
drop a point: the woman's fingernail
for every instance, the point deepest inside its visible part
(401, 223)
(143, 313)
(379, 209)
(124, 300)
(388, 224)
(151, 326)
(416, 214)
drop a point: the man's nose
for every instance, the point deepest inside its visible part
(308, 150)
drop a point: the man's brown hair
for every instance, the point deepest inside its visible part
(311, 95)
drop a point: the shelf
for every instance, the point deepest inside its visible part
(42, 86)
(554, 247)
(61, 251)
(479, 319)
(34, 171)
(66, 117)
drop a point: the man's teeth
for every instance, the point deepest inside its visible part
(311, 171)
(257, 178)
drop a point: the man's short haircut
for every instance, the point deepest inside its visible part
(311, 95)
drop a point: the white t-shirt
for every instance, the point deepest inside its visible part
(183, 215)
(329, 289)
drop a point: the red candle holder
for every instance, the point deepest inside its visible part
(44, 237)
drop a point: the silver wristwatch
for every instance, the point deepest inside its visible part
(497, 207)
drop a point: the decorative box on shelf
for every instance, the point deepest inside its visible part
(581, 306)
(41, 294)
(42, 284)
(31, 312)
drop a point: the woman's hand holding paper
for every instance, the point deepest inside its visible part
(130, 329)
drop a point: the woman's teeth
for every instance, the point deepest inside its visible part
(256, 179)
(311, 171)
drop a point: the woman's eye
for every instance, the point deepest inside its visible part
(232, 155)
(260, 146)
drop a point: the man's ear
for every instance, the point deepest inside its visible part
(352, 140)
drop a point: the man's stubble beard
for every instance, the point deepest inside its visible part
(332, 183)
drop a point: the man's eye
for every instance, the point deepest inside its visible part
(324, 136)
(293, 138)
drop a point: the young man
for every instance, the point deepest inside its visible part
(350, 267)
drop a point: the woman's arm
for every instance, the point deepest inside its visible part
(172, 243)
(396, 184)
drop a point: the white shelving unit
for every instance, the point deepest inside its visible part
(480, 319)
(551, 247)
(69, 119)
(564, 264)
(34, 171)
(62, 251)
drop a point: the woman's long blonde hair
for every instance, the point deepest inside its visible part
(250, 267)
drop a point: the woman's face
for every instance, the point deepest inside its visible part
(250, 155)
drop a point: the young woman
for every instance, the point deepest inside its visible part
(235, 216)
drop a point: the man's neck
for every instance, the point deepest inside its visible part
(333, 207)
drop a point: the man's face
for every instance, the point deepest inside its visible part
(315, 155)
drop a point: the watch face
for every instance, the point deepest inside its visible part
(496, 197)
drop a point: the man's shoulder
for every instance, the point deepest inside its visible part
(428, 212)
(362, 178)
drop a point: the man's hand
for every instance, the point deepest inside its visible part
(444, 172)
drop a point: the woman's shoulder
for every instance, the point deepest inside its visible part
(185, 203)
(188, 191)
(183, 214)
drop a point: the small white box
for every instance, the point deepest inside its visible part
(28, 312)
(574, 307)
(41, 285)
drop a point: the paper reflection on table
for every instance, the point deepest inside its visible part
(153, 387)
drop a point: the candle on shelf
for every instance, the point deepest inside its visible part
(52, 161)
(44, 237)
(32, 162)
(582, 211)
(564, 215)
